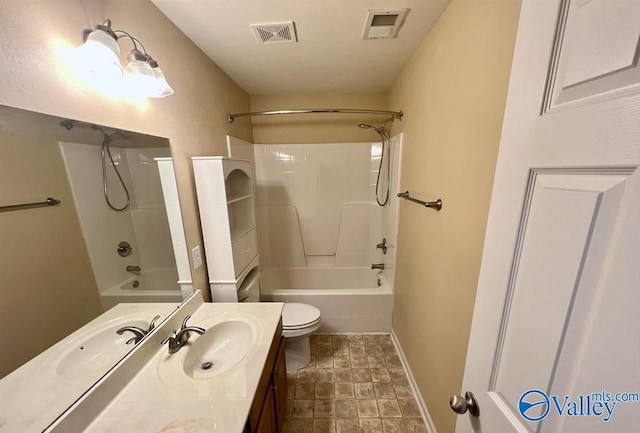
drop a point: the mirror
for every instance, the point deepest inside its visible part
(62, 265)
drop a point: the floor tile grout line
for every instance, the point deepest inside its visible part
(377, 413)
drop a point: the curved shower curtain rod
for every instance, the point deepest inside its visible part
(396, 114)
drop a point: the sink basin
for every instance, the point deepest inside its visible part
(98, 352)
(221, 348)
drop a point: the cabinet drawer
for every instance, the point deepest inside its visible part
(244, 250)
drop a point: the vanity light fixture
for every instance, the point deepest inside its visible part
(100, 57)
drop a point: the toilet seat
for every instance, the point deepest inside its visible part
(299, 316)
(293, 328)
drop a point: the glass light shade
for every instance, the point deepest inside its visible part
(99, 59)
(139, 78)
(162, 87)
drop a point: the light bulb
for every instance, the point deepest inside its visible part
(98, 59)
(162, 88)
(139, 77)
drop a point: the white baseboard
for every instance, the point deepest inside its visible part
(428, 422)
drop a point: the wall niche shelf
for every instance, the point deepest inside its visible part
(225, 200)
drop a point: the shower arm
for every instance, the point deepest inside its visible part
(395, 114)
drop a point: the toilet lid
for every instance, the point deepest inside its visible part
(299, 315)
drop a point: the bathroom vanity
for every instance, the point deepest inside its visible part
(267, 411)
(37, 392)
(230, 379)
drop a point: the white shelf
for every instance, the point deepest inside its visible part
(235, 235)
(241, 218)
(238, 182)
(236, 199)
(225, 199)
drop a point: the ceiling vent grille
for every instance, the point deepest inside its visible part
(383, 24)
(275, 33)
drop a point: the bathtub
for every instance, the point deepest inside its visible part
(350, 299)
(155, 285)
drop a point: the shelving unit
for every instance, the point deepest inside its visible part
(225, 199)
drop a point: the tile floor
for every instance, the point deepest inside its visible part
(354, 384)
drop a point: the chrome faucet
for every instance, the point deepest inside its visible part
(133, 268)
(138, 333)
(377, 266)
(181, 337)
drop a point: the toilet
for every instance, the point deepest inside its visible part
(298, 322)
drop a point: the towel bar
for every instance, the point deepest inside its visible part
(437, 205)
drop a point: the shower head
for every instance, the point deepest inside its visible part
(119, 132)
(379, 130)
(108, 138)
(67, 124)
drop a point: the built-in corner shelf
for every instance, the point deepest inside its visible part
(225, 199)
(232, 200)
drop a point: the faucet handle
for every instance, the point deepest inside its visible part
(185, 328)
(196, 329)
(184, 322)
(184, 325)
(383, 245)
(152, 325)
(138, 333)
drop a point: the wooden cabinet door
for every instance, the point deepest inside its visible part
(279, 379)
(267, 422)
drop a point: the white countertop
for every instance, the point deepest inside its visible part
(36, 393)
(163, 398)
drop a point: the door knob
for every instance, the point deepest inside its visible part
(461, 405)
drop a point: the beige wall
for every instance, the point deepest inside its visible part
(34, 76)
(453, 93)
(48, 288)
(315, 128)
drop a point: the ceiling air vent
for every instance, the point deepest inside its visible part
(275, 33)
(383, 24)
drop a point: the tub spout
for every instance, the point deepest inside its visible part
(377, 266)
(133, 268)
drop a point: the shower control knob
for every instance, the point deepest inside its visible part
(383, 245)
(124, 249)
(461, 405)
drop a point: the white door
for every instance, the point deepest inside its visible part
(557, 310)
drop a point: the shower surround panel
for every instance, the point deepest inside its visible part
(144, 225)
(313, 196)
(318, 203)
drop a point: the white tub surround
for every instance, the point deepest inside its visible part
(318, 226)
(316, 207)
(167, 399)
(32, 396)
(144, 225)
(155, 285)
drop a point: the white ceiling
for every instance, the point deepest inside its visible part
(330, 55)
